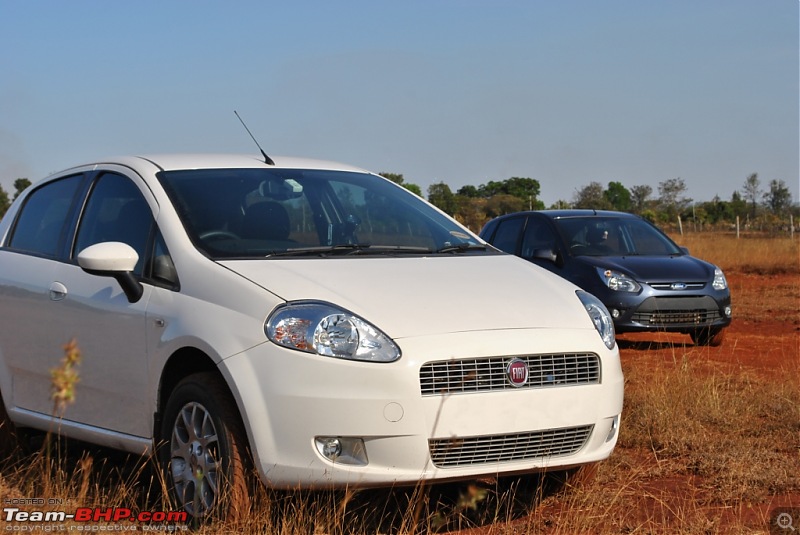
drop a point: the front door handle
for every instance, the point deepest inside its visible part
(57, 291)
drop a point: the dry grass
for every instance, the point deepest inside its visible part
(703, 449)
(751, 253)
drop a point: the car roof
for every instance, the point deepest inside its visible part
(560, 214)
(563, 214)
(181, 161)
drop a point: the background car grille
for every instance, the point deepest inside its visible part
(690, 311)
(668, 286)
(485, 374)
(672, 317)
(468, 451)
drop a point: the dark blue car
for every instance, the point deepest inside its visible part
(646, 281)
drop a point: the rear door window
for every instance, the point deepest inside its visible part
(42, 223)
(507, 235)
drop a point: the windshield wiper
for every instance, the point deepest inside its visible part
(461, 247)
(350, 249)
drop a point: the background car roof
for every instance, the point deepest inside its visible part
(559, 214)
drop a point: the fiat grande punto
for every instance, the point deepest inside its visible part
(306, 321)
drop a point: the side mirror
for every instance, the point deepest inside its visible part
(685, 250)
(113, 259)
(545, 254)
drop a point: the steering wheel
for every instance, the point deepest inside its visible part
(213, 235)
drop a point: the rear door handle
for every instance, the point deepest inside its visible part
(57, 291)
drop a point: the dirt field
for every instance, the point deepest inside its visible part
(722, 476)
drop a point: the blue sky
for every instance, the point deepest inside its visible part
(463, 92)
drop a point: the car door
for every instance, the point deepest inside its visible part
(109, 330)
(29, 345)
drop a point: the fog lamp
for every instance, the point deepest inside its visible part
(331, 448)
(342, 450)
(614, 427)
(728, 311)
(614, 313)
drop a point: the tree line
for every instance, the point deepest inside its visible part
(762, 207)
(5, 201)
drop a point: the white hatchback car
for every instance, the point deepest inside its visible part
(308, 319)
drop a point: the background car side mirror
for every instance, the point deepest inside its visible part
(547, 254)
(113, 259)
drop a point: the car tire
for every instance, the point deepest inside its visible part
(203, 451)
(708, 337)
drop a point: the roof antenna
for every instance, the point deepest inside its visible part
(267, 159)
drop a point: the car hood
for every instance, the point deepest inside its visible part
(650, 269)
(420, 296)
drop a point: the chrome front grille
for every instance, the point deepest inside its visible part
(677, 286)
(489, 374)
(468, 451)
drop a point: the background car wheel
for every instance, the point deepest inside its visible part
(203, 450)
(708, 337)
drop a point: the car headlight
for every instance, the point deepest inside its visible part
(327, 330)
(719, 280)
(600, 317)
(618, 282)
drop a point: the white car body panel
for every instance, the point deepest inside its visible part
(420, 296)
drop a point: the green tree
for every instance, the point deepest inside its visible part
(671, 197)
(738, 205)
(469, 191)
(19, 186)
(640, 197)
(527, 189)
(4, 201)
(591, 196)
(618, 196)
(441, 196)
(398, 179)
(752, 188)
(778, 198)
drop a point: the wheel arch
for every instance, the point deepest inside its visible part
(181, 364)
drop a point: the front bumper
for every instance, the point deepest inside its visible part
(669, 312)
(288, 398)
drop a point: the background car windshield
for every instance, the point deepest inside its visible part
(598, 236)
(258, 212)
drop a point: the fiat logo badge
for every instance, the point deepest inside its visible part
(517, 372)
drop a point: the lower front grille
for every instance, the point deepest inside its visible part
(691, 311)
(469, 451)
(674, 317)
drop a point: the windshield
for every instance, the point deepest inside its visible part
(248, 213)
(611, 236)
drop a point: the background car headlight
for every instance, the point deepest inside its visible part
(618, 282)
(719, 280)
(600, 317)
(327, 330)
